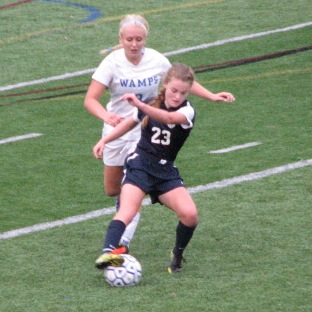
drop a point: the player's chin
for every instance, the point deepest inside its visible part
(175, 104)
(135, 52)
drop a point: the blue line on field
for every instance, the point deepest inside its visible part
(94, 13)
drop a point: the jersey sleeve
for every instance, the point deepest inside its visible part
(165, 65)
(105, 71)
(136, 115)
(189, 113)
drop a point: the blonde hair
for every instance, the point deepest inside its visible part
(178, 71)
(130, 19)
(134, 19)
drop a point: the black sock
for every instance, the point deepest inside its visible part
(113, 235)
(183, 236)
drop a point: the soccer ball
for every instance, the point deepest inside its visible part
(129, 274)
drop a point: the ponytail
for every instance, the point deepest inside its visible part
(111, 49)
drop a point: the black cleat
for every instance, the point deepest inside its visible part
(175, 264)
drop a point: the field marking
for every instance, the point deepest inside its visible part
(94, 13)
(259, 76)
(20, 137)
(11, 5)
(240, 38)
(106, 20)
(235, 148)
(192, 190)
(181, 51)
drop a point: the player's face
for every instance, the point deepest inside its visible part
(176, 92)
(133, 39)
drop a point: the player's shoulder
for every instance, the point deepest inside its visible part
(187, 108)
(187, 104)
(152, 53)
(115, 57)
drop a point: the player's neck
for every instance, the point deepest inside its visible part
(135, 59)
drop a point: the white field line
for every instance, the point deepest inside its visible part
(235, 148)
(20, 137)
(181, 51)
(241, 38)
(192, 190)
(250, 176)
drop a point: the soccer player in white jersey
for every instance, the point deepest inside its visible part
(133, 68)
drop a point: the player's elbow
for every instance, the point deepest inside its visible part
(175, 119)
(87, 104)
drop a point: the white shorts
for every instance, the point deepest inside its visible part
(116, 152)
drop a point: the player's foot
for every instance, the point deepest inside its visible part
(175, 263)
(122, 249)
(109, 259)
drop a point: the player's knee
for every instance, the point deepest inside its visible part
(111, 191)
(193, 219)
(190, 218)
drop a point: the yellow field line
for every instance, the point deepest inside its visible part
(264, 75)
(107, 20)
(260, 76)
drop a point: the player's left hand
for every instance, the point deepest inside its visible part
(131, 98)
(224, 97)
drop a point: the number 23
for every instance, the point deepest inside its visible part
(158, 133)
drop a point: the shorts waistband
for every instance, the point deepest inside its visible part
(149, 155)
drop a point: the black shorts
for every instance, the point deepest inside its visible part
(152, 175)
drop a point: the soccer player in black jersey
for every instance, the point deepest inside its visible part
(166, 124)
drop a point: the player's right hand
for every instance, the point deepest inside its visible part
(98, 149)
(112, 119)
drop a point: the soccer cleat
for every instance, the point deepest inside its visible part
(175, 264)
(122, 249)
(109, 259)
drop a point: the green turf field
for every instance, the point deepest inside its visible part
(252, 249)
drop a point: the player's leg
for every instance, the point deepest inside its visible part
(114, 157)
(180, 201)
(112, 180)
(130, 202)
(112, 184)
(131, 199)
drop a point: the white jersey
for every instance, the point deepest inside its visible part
(121, 76)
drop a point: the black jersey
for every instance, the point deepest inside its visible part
(165, 140)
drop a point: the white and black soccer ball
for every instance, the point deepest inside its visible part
(129, 274)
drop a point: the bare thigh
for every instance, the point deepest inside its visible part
(112, 179)
(181, 202)
(130, 203)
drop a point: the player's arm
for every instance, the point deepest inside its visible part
(156, 113)
(122, 128)
(163, 116)
(93, 105)
(198, 90)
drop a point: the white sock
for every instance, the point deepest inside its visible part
(130, 230)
